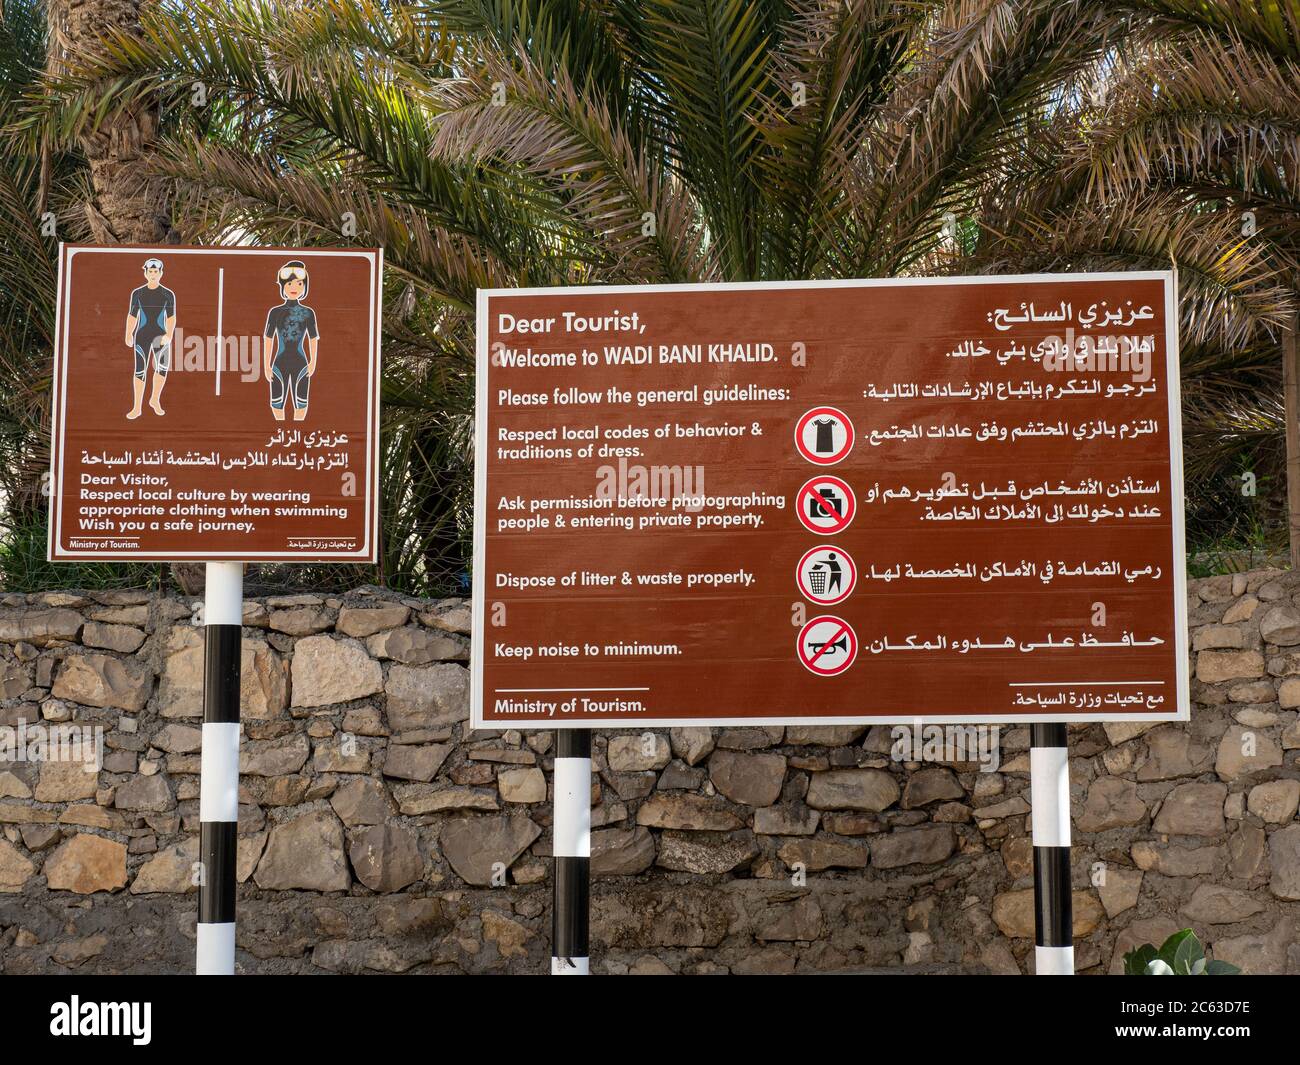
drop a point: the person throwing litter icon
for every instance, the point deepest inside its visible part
(835, 572)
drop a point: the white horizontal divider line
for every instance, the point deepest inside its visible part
(1081, 683)
(507, 691)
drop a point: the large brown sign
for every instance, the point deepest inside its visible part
(216, 403)
(830, 502)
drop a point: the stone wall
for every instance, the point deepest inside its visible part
(371, 817)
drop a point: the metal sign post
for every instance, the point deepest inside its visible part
(1049, 790)
(572, 830)
(223, 610)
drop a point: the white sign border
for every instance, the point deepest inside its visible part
(722, 720)
(58, 427)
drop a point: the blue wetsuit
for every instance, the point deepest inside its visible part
(292, 323)
(151, 307)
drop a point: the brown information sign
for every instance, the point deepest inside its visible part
(216, 403)
(922, 500)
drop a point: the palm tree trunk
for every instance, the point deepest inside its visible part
(128, 206)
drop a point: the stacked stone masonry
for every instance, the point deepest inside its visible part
(378, 833)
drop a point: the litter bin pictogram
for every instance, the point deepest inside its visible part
(825, 574)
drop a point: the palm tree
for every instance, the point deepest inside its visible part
(127, 203)
(1195, 120)
(545, 142)
(121, 200)
(39, 194)
(43, 192)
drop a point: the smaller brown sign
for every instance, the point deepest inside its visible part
(216, 403)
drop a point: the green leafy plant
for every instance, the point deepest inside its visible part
(1180, 955)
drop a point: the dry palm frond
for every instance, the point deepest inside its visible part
(1270, 24)
(1203, 108)
(627, 204)
(1228, 288)
(223, 191)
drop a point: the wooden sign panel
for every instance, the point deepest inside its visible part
(921, 500)
(216, 403)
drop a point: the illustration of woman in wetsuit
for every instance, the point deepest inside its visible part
(150, 323)
(289, 344)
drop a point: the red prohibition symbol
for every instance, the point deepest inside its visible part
(826, 575)
(824, 435)
(827, 645)
(825, 505)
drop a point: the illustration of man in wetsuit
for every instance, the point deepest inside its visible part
(289, 344)
(150, 323)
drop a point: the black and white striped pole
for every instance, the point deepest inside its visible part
(572, 832)
(223, 609)
(1049, 790)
